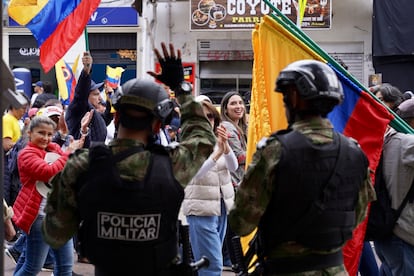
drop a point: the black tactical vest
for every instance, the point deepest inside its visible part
(315, 192)
(131, 226)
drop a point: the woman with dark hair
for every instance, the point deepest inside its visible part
(233, 114)
(390, 95)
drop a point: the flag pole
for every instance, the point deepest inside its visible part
(397, 123)
(86, 39)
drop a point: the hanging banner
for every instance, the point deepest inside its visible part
(244, 14)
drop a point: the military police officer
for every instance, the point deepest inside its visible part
(126, 197)
(308, 186)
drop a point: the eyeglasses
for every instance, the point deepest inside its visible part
(210, 116)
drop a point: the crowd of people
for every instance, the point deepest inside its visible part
(74, 186)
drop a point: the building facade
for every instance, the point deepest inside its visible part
(217, 54)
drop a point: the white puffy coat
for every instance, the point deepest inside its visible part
(203, 194)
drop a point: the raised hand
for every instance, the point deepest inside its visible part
(172, 72)
(87, 62)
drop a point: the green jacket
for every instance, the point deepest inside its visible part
(197, 142)
(256, 190)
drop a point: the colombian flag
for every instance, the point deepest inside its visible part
(360, 116)
(113, 76)
(66, 80)
(56, 24)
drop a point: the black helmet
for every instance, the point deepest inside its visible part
(144, 95)
(314, 80)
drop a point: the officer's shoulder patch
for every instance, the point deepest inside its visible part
(353, 140)
(263, 142)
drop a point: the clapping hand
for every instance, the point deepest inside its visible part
(86, 120)
(222, 138)
(75, 144)
(172, 72)
(62, 126)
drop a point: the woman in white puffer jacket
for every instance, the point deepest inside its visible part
(209, 197)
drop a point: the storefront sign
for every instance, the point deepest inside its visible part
(107, 16)
(123, 16)
(244, 14)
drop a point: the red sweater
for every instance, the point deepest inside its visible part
(32, 167)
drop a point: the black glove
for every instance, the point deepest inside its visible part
(172, 73)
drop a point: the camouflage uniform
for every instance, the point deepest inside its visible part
(256, 190)
(197, 142)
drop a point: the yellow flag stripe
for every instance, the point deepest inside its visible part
(60, 78)
(23, 11)
(274, 48)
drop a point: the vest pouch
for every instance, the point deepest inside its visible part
(320, 237)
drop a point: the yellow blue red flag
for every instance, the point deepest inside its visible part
(55, 24)
(360, 116)
(66, 81)
(113, 76)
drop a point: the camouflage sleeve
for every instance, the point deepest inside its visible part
(197, 141)
(255, 191)
(366, 195)
(62, 218)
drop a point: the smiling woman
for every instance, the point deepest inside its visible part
(233, 114)
(29, 205)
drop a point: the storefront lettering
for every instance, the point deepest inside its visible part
(29, 51)
(241, 7)
(93, 16)
(229, 55)
(253, 19)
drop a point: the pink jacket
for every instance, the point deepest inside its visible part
(32, 167)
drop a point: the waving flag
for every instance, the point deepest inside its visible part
(66, 80)
(56, 24)
(361, 115)
(113, 76)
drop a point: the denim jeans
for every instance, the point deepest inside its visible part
(368, 264)
(20, 244)
(206, 236)
(396, 255)
(35, 253)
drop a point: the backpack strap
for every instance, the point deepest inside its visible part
(408, 197)
(410, 194)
